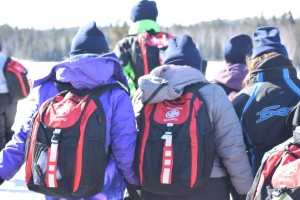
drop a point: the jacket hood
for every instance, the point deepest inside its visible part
(143, 25)
(232, 76)
(167, 82)
(86, 71)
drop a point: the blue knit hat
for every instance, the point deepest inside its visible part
(182, 51)
(89, 39)
(268, 39)
(237, 47)
(144, 10)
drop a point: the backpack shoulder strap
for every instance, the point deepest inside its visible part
(103, 88)
(195, 86)
(63, 86)
(7, 61)
(141, 39)
(155, 92)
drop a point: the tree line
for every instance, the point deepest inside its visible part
(210, 37)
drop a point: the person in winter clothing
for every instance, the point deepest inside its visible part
(182, 67)
(8, 107)
(143, 16)
(232, 74)
(230, 77)
(278, 175)
(272, 90)
(89, 65)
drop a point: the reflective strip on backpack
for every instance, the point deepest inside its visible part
(51, 166)
(51, 180)
(167, 158)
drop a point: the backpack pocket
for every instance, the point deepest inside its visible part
(40, 164)
(98, 164)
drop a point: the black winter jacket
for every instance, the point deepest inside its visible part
(263, 106)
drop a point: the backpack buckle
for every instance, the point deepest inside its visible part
(55, 137)
(280, 190)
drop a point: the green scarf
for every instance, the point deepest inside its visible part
(143, 25)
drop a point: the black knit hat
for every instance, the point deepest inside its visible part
(89, 39)
(268, 39)
(144, 10)
(237, 47)
(182, 51)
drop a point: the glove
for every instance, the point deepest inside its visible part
(133, 192)
(1, 181)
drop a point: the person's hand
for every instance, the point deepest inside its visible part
(134, 191)
(1, 181)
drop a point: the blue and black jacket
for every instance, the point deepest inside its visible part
(263, 106)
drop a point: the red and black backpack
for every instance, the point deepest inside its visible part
(16, 76)
(176, 148)
(66, 152)
(279, 174)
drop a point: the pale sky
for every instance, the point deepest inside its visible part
(46, 14)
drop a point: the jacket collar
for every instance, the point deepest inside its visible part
(274, 68)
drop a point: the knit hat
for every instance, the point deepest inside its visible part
(268, 39)
(182, 51)
(89, 39)
(144, 10)
(237, 47)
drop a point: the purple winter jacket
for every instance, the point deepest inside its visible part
(87, 71)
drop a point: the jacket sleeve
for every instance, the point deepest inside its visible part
(239, 102)
(229, 142)
(122, 51)
(12, 157)
(123, 135)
